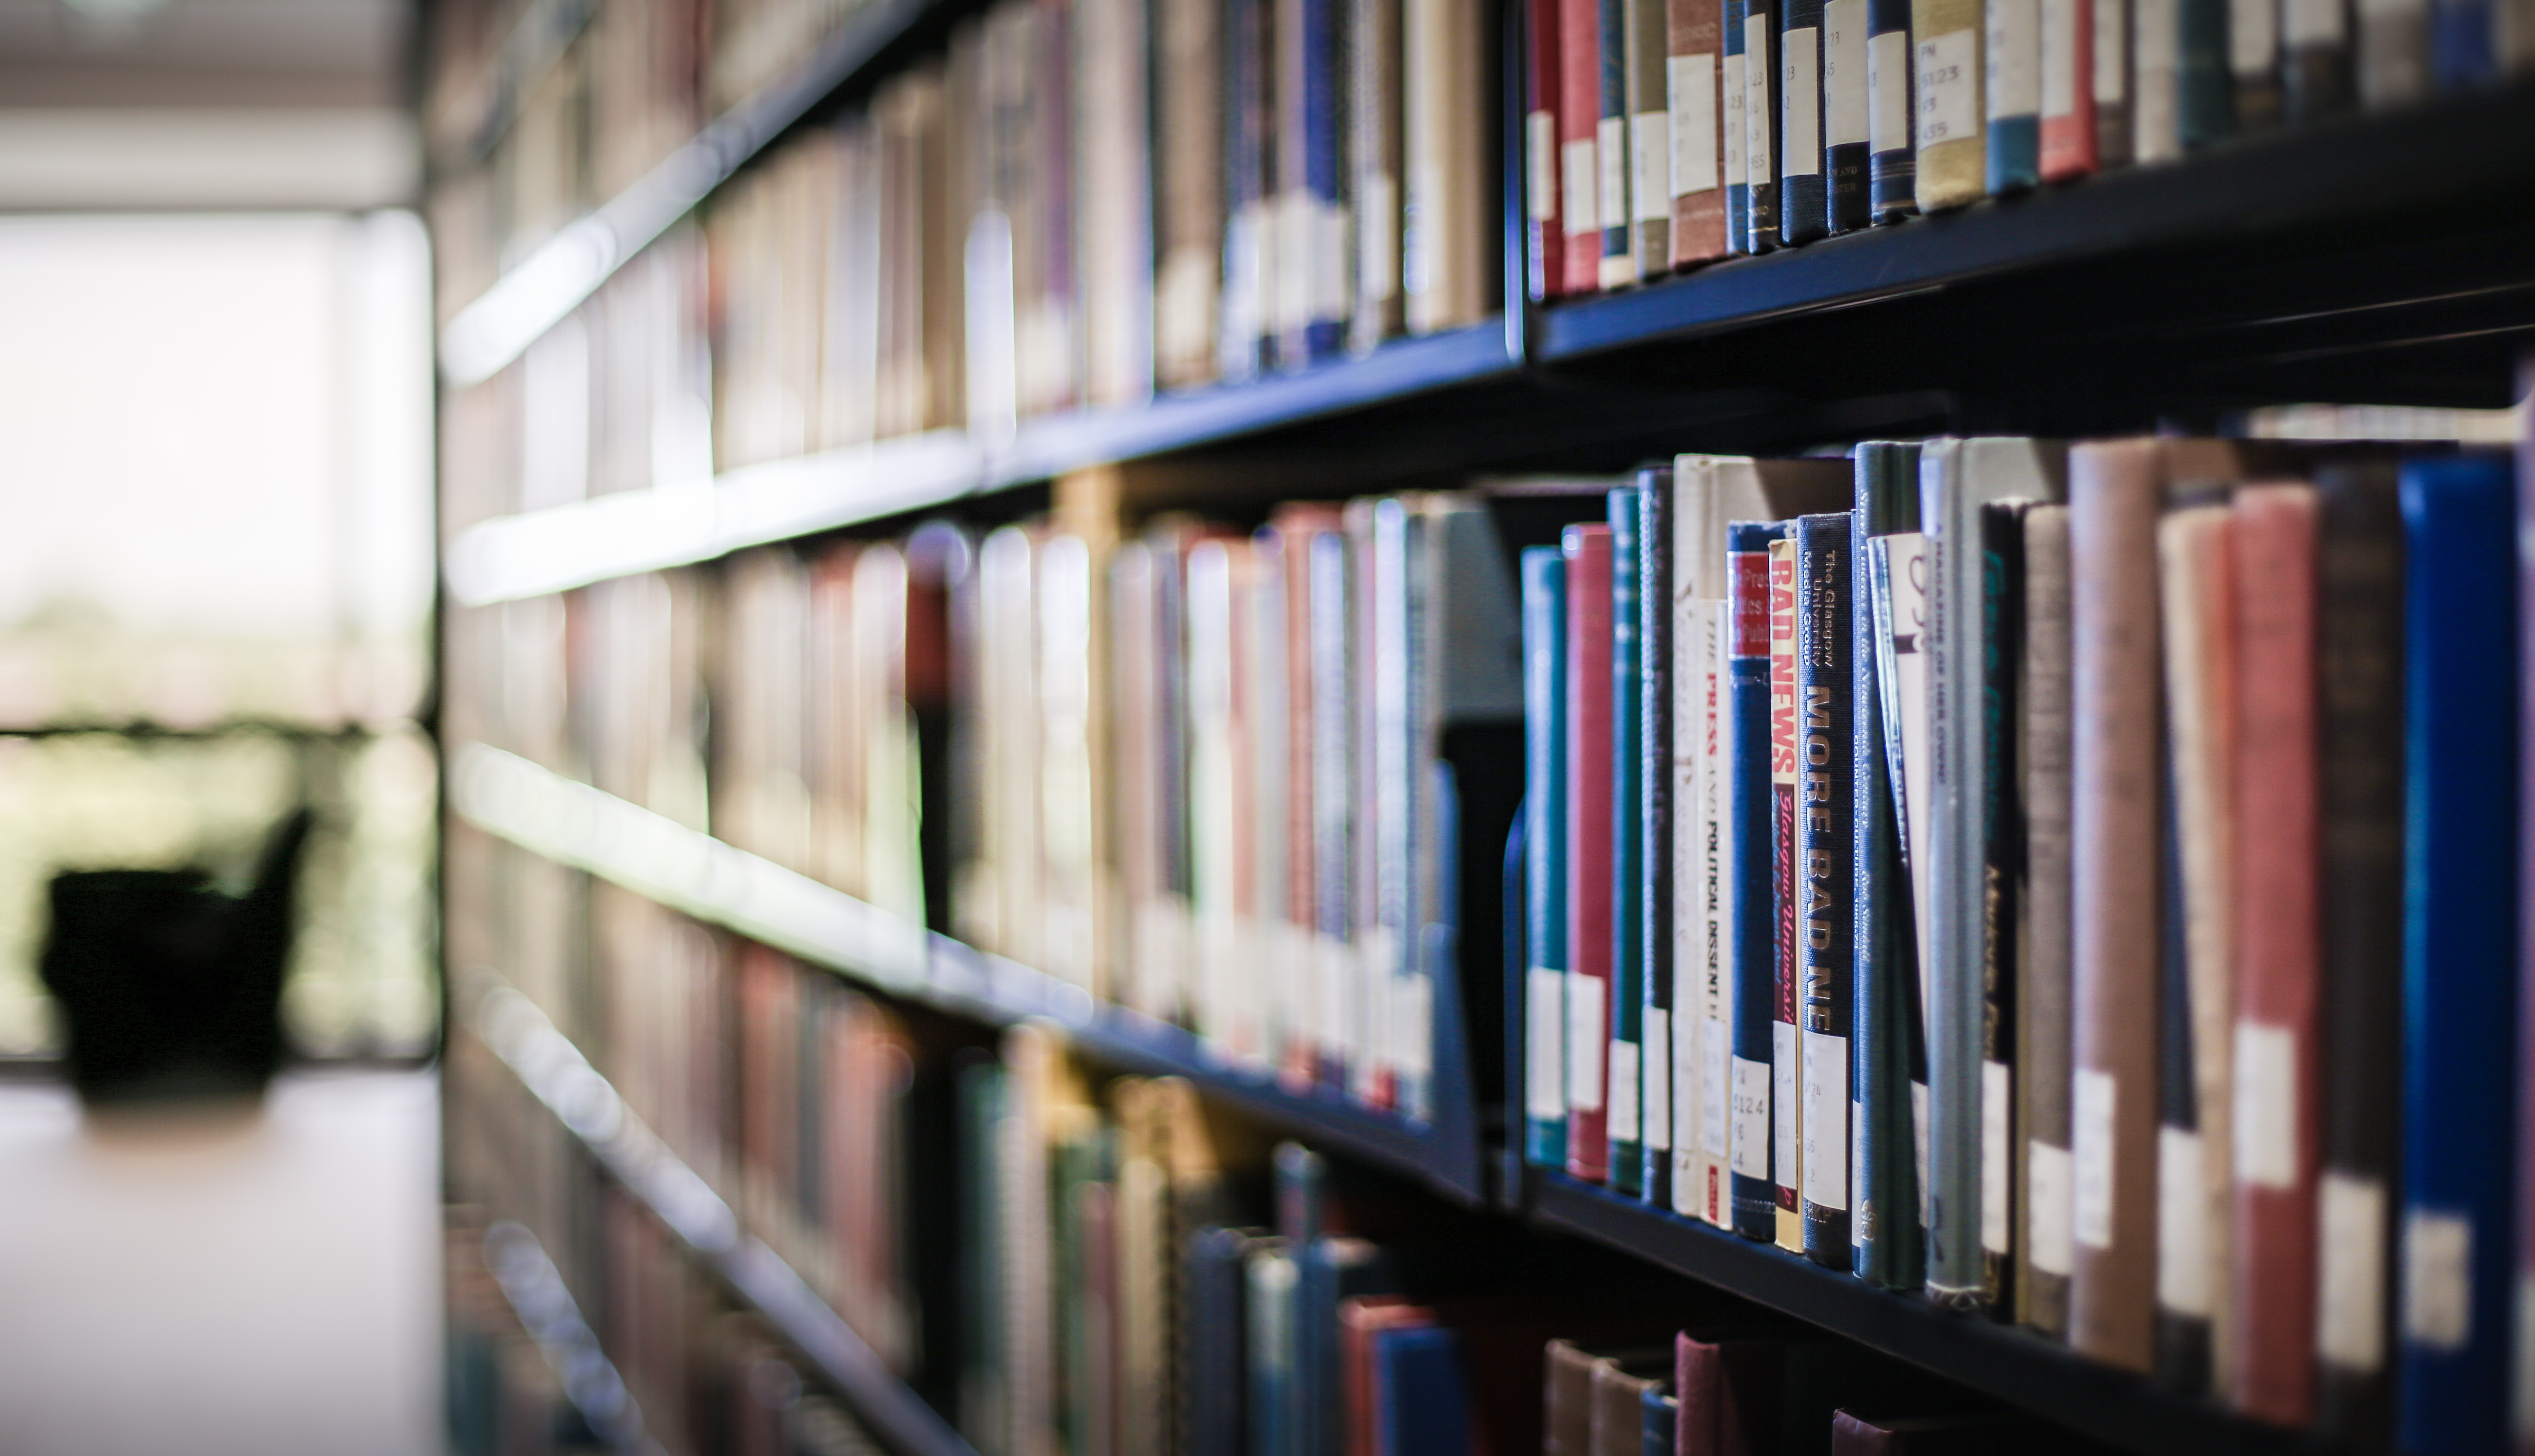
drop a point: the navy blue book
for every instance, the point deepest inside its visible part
(1611, 146)
(1216, 1345)
(2181, 1335)
(1893, 161)
(1883, 977)
(1762, 122)
(1804, 201)
(2461, 53)
(1627, 895)
(1751, 911)
(1421, 1401)
(1301, 1186)
(1738, 177)
(2459, 953)
(1660, 1434)
(1654, 825)
(1543, 986)
(1823, 737)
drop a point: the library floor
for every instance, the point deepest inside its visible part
(215, 1284)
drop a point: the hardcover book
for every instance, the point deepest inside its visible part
(1590, 908)
(1544, 656)
(1579, 113)
(1624, 1095)
(2067, 88)
(2012, 67)
(1825, 685)
(1658, 1119)
(2043, 1005)
(1752, 800)
(1846, 110)
(1804, 203)
(1650, 184)
(2460, 880)
(1892, 174)
(1694, 100)
(2358, 648)
(1761, 121)
(1946, 87)
(1786, 1048)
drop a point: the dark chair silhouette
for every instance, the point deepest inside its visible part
(168, 988)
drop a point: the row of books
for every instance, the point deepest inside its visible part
(2073, 881)
(1664, 133)
(1083, 201)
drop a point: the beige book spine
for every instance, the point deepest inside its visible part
(1450, 251)
(2114, 497)
(1945, 42)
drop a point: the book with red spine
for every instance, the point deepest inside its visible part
(2272, 536)
(2067, 89)
(1587, 549)
(1580, 118)
(1544, 221)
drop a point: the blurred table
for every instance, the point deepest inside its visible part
(223, 1282)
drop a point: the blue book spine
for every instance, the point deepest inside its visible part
(1804, 201)
(2459, 953)
(1753, 902)
(1624, 1098)
(1421, 1401)
(1893, 163)
(1655, 776)
(1218, 1324)
(1738, 180)
(1270, 1349)
(1611, 146)
(1884, 1230)
(2013, 96)
(2461, 49)
(1823, 703)
(1659, 1428)
(1324, 168)
(1544, 989)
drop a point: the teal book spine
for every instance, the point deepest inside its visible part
(1544, 1021)
(1628, 898)
(1884, 983)
(1656, 1129)
(2205, 82)
(2012, 95)
(1753, 897)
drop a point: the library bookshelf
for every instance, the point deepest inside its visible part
(2381, 257)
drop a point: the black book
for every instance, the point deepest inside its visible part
(2359, 660)
(1826, 690)
(1803, 208)
(1654, 825)
(2003, 835)
(2182, 1332)
(1892, 163)
(1760, 119)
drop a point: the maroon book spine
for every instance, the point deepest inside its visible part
(1588, 550)
(2279, 954)
(1545, 225)
(1579, 114)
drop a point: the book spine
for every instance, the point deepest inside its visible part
(1580, 111)
(1371, 662)
(1945, 82)
(1693, 100)
(1804, 205)
(2254, 63)
(1786, 1045)
(1624, 1096)
(1884, 1226)
(1734, 105)
(1702, 1009)
(1545, 226)
(1449, 228)
(1249, 239)
(1762, 134)
(2199, 697)
(2001, 832)
(1189, 183)
(2011, 94)
(1618, 265)
(1544, 655)
(2359, 647)
(1847, 132)
(2067, 57)
(2318, 81)
(1825, 709)
(2394, 54)
(2204, 87)
(1659, 1121)
(2110, 74)
(1956, 873)
(1892, 173)
(2156, 39)
(2272, 538)
(2113, 803)
(1323, 230)
(1650, 139)
(1752, 898)
(2459, 955)
(1368, 211)
(2461, 53)
(2043, 1069)
(1588, 550)
(2181, 1354)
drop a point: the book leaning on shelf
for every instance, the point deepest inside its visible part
(2050, 1000)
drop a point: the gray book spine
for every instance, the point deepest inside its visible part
(2044, 1039)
